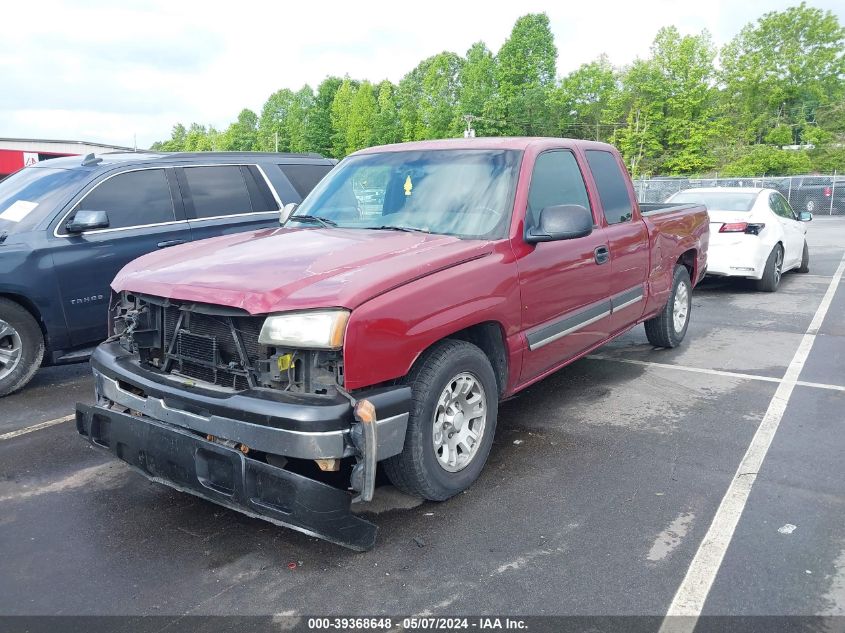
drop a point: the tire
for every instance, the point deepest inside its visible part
(21, 347)
(772, 272)
(805, 259)
(418, 470)
(664, 330)
(810, 205)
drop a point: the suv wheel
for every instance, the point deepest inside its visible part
(21, 347)
(453, 419)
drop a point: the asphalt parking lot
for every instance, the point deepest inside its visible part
(603, 483)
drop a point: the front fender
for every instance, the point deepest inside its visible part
(386, 334)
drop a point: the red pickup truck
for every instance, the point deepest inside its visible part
(414, 288)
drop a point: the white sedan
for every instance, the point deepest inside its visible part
(754, 233)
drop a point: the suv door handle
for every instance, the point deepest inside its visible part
(602, 254)
(167, 243)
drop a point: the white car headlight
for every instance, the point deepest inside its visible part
(318, 329)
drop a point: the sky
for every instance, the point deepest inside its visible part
(117, 72)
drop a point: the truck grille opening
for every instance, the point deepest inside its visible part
(219, 346)
(204, 346)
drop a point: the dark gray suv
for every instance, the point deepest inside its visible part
(68, 225)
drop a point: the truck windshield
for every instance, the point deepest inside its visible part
(465, 193)
(28, 194)
(717, 200)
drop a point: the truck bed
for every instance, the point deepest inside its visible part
(655, 208)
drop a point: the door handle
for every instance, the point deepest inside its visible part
(167, 243)
(602, 254)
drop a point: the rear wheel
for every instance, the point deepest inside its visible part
(669, 327)
(452, 422)
(21, 347)
(773, 271)
(805, 260)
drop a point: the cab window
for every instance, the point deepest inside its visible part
(612, 186)
(556, 180)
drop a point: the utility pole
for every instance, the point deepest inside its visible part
(277, 142)
(469, 132)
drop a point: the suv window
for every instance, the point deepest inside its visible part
(133, 198)
(612, 186)
(224, 190)
(556, 180)
(304, 177)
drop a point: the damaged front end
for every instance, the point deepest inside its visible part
(196, 397)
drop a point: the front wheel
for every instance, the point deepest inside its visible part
(669, 327)
(452, 422)
(21, 347)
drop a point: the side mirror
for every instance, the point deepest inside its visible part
(805, 216)
(561, 222)
(287, 211)
(87, 221)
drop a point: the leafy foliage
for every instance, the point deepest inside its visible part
(781, 82)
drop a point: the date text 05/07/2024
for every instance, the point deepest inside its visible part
(425, 623)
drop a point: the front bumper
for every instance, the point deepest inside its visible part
(287, 424)
(189, 463)
(187, 435)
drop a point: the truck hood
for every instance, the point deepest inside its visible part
(274, 270)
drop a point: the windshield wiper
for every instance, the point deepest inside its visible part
(313, 219)
(407, 229)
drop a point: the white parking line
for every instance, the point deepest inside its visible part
(691, 595)
(713, 372)
(36, 427)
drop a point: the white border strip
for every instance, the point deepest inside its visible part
(36, 427)
(691, 595)
(713, 372)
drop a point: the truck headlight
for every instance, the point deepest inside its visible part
(317, 329)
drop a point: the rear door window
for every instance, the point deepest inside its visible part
(221, 190)
(612, 186)
(134, 198)
(304, 177)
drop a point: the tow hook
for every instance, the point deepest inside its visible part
(365, 438)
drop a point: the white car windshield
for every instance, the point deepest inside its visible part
(465, 193)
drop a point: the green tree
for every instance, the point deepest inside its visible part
(341, 107)
(272, 125)
(525, 73)
(671, 106)
(427, 97)
(387, 127)
(242, 135)
(197, 139)
(781, 69)
(318, 126)
(296, 122)
(587, 101)
(477, 88)
(361, 118)
(176, 142)
(440, 89)
(763, 160)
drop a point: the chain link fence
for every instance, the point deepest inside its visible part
(822, 195)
